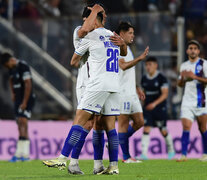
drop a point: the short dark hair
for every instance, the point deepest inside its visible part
(4, 58)
(123, 26)
(87, 12)
(195, 43)
(151, 59)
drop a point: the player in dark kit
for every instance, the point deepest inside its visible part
(23, 98)
(155, 111)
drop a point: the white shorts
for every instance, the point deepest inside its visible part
(79, 93)
(130, 105)
(192, 113)
(106, 103)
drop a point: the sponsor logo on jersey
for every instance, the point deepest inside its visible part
(112, 109)
(98, 106)
(156, 84)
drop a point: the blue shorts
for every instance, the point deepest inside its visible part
(26, 112)
(156, 118)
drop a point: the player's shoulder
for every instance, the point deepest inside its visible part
(161, 76)
(23, 64)
(76, 29)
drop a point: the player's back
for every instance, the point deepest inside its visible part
(82, 77)
(102, 62)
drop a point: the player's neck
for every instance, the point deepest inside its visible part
(193, 59)
(152, 74)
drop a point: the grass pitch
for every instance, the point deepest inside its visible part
(148, 170)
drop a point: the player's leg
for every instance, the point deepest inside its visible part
(98, 145)
(161, 123)
(110, 111)
(138, 122)
(202, 121)
(145, 142)
(168, 141)
(136, 115)
(187, 118)
(123, 123)
(88, 106)
(148, 123)
(73, 167)
(113, 143)
(22, 150)
(23, 144)
(185, 139)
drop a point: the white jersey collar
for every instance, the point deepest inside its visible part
(152, 77)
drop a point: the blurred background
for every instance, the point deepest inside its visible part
(40, 32)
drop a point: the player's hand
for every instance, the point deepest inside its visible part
(144, 54)
(96, 8)
(117, 40)
(23, 106)
(140, 93)
(150, 106)
(188, 75)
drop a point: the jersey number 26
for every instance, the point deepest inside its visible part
(112, 64)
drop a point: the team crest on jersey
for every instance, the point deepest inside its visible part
(101, 38)
(156, 84)
(199, 68)
(17, 76)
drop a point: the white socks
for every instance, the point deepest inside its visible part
(169, 142)
(145, 143)
(23, 148)
(98, 164)
(73, 161)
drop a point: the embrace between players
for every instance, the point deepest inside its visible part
(105, 91)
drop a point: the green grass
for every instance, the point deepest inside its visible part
(148, 170)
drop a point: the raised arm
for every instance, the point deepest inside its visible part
(126, 65)
(89, 23)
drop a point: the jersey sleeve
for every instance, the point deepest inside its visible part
(26, 74)
(205, 69)
(82, 47)
(76, 39)
(164, 82)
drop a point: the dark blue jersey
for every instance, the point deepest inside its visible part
(152, 87)
(18, 75)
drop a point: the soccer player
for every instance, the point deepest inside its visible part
(130, 104)
(193, 77)
(80, 32)
(101, 94)
(23, 98)
(155, 87)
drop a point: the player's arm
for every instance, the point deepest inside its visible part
(27, 93)
(181, 79)
(75, 60)
(140, 93)
(126, 65)
(12, 89)
(191, 75)
(89, 23)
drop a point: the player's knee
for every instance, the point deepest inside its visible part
(164, 133)
(202, 128)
